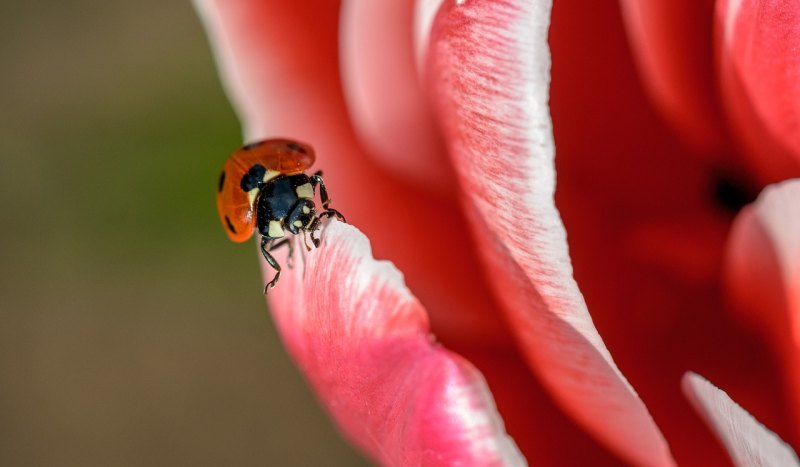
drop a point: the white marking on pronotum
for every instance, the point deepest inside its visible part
(269, 175)
(305, 191)
(275, 229)
(306, 210)
(251, 195)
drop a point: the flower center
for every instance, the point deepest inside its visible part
(731, 194)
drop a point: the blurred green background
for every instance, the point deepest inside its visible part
(132, 332)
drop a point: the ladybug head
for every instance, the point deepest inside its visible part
(304, 217)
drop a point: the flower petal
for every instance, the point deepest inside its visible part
(760, 79)
(279, 62)
(363, 341)
(488, 66)
(672, 42)
(763, 273)
(748, 442)
(384, 96)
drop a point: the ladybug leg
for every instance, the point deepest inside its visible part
(313, 228)
(316, 179)
(290, 246)
(305, 240)
(266, 245)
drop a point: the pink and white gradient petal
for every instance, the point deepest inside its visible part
(488, 72)
(363, 341)
(749, 443)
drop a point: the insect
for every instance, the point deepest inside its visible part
(263, 186)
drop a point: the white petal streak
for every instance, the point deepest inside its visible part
(731, 13)
(748, 442)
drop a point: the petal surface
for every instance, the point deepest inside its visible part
(757, 45)
(488, 71)
(763, 274)
(672, 41)
(363, 341)
(748, 442)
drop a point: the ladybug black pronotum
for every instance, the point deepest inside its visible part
(263, 185)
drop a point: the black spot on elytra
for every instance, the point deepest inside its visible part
(296, 147)
(730, 194)
(221, 182)
(253, 177)
(230, 225)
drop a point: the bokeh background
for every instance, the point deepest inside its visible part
(132, 332)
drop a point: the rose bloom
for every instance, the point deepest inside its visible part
(670, 129)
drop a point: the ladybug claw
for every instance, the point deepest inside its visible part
(272, 283)
(290, 256)
(314, 239)
(305, 240)
(334, 213)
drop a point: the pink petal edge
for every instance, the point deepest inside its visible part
(748, 442)
(362, 340)
(488, 70)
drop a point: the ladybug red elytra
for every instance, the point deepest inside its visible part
(263, 185)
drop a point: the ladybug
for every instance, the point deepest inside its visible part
(263, 186)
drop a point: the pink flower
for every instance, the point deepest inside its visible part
(437, 129)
